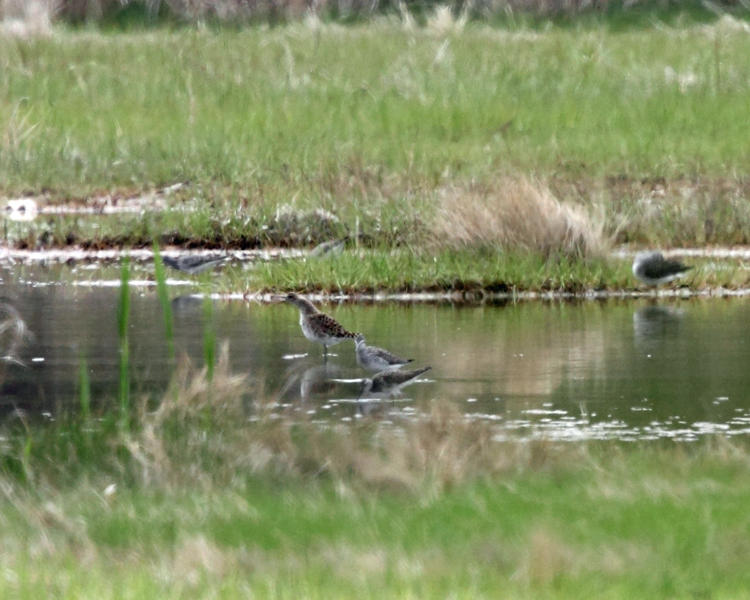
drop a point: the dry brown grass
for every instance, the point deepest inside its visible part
(27, 18)
(517, 214)
(202, 432)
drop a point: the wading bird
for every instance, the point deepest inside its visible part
(390, 382)
(373, 358)
(318, 326)
(193, 264)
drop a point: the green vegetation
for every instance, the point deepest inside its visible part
(455, 156)
(123, 317)
(163, 293)
(448, 139)
(405, 271)
(470, 272)
(328, 112)
(182, 505)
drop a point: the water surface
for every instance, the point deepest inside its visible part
(588, 369)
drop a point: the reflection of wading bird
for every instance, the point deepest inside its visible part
(13, 331)
(318, 380)
(377, 359)
(313, 380)
(317, 326)
(389, 383)
(653, 269)
(192, 265)
(654, 324)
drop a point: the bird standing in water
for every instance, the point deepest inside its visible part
(318, 326)
(377, 359)
(390, 382)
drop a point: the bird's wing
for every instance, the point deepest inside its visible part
(391, 378)
(388, 357)
(203, 263)
(330, 325)
(663, 267)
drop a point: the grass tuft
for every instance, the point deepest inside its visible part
(517, 214)
(176, 444)
(255, 498)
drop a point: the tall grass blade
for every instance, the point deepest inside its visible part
(123, 317)
(166, 307)
(209, 337)
(84, 390)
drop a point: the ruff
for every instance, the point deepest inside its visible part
(317, 326)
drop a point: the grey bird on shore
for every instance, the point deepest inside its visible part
(373, 358)
(193, 264)
(330, 247)
(390, 382)
(317, 326)
(653, 269)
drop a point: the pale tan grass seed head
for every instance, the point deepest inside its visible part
(517, 214)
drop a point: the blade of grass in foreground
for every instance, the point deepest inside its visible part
(166, 307)
(209, 337)
(123, 316)
(84, 389)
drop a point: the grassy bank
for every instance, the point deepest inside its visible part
(196, 499)
(449, 138)
(464, 271)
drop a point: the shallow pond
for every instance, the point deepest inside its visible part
(589, 369)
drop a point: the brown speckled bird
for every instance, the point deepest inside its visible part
(317, 326)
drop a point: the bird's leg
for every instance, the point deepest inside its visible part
(325, 353)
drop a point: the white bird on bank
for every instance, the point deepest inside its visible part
(653, 269)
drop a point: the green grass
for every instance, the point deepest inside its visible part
(407, 271)
(184, 506)
(343, 109)
(472, 272)
(373, 127)
(571, 535)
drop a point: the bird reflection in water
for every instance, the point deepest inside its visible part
(314, 379)
(653, 324)
(187, 303)
(13, 333)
